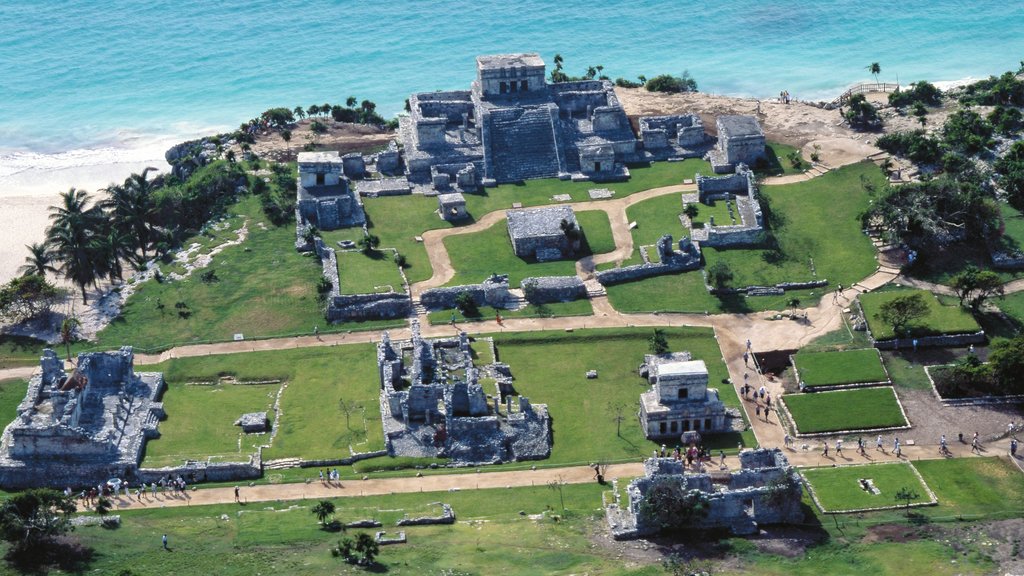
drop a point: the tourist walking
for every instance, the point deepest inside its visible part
(164, 540)
(236, 493)
(1013, 447)
(746, 358)
(974, 444)
(878, 445)
(839, 447)
(826, 448)
(896, 447)
(943, 449)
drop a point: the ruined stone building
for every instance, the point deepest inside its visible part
(740, 194)
(433, 404)
(765, 490)
(512, 125)
(675, 136)
(544, 234)
(84, 428)
(740, 141)
(324, 197)
(679, 400)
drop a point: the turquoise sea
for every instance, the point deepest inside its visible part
(83, 77)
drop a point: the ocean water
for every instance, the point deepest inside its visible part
(89, 79)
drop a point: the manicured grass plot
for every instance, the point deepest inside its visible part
(488, 314)
(718, 210)
(846, 367)
(12, 392)
(597, 229)
(839, 489)
(368, 273)
(200, 423)
(860, 409)
(940, 319)
(477, 256)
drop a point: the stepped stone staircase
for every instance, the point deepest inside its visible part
(524, 144)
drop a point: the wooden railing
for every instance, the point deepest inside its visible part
(860, 89)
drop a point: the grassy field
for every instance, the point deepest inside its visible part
(860, 409)
(312, 426)
(368, 273)
(477, 256)
(19, 351)
(838, 489)
(12, 392)
(488, 314)
(813, 221)
(597, 229)
(717, 209)
(778, 160)
(847, 367)
(582, 422)
(492, 536)
(200, 423)
(940, 319)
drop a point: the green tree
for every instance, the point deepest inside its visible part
(902, 310)
(720, 275)
(367, 548)
(975, 286)
(465, 303)
(906, 495)
(672, 84)
(400, 260)
(67, 333)
(860, 113)
(313, 110)
(369, 243)
(74, 236)
(26, 297)
(351, 101)
(875, 69)
(691, 210)
(299, 112)
(278, 117)
(39, 260)
(1006, 359)
(323, 510)
(666, 504)
(658, 343)
(286, 135)
(32, 519)
(967, 131)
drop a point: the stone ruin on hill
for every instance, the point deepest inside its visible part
(739, 192)
(673, 137)
(433, 404)
(83, 428)
(679, 400)
(324, 197)
(512, 125)
(740, 141)
(765, 490)
(544, 234)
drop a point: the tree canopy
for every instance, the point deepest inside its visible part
(902, 310)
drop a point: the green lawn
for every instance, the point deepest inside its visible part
(860, 409)
(476, 256)
(583, 428)
(1013, 306)
(597, 229)
(778, 160)
(200, 422)
(264, 288)
(656, 217)
(718, 209)
(487, 314)
(813, 221)
(368, 273)
(311, 424)
(12, 392)
(838, 489)
(940, 319)
(847, 367)
(974, 487)
(19, 351)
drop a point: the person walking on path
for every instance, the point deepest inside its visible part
(943, 449)
(1013, 448)
(746, 358)
(974, 444)
(839, 447)
(236, 493)
(878, 445)
(826, 448)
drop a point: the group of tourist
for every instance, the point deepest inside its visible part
(113, 488)
(329, 475)
(695, 456)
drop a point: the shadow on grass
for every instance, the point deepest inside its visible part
(734, 303)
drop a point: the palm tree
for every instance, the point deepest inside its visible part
(39, 261)
(67, 332)
(351, 101)
(313, 109)
(299, 112)
(875, 69)
(132, 209)
(323, 510)
(115, 246)
(73, 234)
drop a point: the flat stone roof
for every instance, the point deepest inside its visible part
(508, 61)
(536, 222)
(319, 157)
(451, 198)
(739, 126)
(687, 368)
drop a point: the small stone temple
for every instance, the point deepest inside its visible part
(679, 400)
(765, 490)
(740, 141)
(324, 197)
(675, 136)
(739, 192)
(84, 428)
(544, 234)
(433, 403)
(452, 206)
(512, 125)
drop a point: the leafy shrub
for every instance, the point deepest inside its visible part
(860, 113)
(1005, 89)
(915, 145)
(672, 84)
(623, 83)
(967, 131)
(1005, 120)
(919, 92)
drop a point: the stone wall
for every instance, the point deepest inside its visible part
(491, 292)
(686, 258)
(948, 340)
(546, 289)
(383, 306)
(204, 471)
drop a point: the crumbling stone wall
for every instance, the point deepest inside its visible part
(686, 258)
(491, 292)
(547, 289)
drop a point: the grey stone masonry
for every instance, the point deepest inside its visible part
(546, 289)
(740, 141)
(544, 234)
(672, 262)
(324, 197)
(512, 125)
(433, 404)
(491, 292)
(765, 490)
(83, 428)
(739, 192)
(452, 207)
(253, 422)
(676, 136)
(679, 400)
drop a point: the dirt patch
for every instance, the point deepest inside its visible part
(893, 533)
(340, 136)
